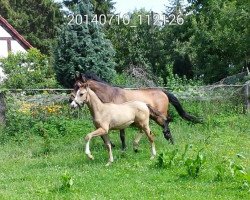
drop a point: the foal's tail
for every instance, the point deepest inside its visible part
(155, 114)
(176, 103)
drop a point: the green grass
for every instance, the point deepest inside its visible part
(33, 168)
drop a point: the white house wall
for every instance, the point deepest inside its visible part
(3, 48)
(16, 47)
(3, 32)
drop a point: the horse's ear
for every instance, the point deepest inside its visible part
(77, 76)
(84, 79)
(79, 84)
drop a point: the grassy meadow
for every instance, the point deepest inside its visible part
(215, 165)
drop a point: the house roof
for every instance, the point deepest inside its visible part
(14, 33)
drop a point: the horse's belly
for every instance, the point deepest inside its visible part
(118, 125)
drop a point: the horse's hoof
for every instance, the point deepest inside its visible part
(124, 148)
(90, 157)
(136, 150)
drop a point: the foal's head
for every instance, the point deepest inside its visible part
(81, 96)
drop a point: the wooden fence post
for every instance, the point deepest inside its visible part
(2, 109)
(247, 97)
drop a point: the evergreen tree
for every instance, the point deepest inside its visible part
(83, 47)
(100, 6)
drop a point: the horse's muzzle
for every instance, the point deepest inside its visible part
(74, 104)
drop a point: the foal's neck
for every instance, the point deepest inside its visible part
(94, 103)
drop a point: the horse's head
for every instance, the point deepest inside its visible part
(81, 95)
(95, 83)
(76, 87)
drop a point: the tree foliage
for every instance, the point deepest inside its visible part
(83, 47)
(28, 71)
(100, 6)
(213, 42)
(219, 41)
(36, 20)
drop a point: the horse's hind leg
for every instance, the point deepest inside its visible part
(112, 144)
(122, 137)
(166, 131)
(109, 147)
(164, 123)
(151, 140)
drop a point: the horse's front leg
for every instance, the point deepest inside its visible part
(98, 132)
(122, 137)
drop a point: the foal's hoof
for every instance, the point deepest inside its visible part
(90, 156)
(108, 164)
(152, 157)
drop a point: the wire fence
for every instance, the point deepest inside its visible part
(239, 94)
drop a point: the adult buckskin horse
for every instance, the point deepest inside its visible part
(159, 99)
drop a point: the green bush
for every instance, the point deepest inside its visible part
(24, 117)
(28, 71)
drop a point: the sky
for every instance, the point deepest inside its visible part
(125, 6)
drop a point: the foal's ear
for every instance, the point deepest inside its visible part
(87, 86)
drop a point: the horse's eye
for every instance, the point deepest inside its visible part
(81, 94)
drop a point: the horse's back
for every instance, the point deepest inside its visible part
(154, 97)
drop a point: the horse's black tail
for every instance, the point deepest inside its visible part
(176, 103)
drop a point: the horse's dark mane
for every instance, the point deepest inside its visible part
(94, 77)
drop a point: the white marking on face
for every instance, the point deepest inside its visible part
(73, 104)
(80, 96)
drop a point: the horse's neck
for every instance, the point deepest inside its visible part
(106, 92)
(94, 103)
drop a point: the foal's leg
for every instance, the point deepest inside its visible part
(137, 140)
(109, 147)
(151, 140)
(112, 144)
(98, 132)
(122, 137)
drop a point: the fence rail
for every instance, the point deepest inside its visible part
(200, 93)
